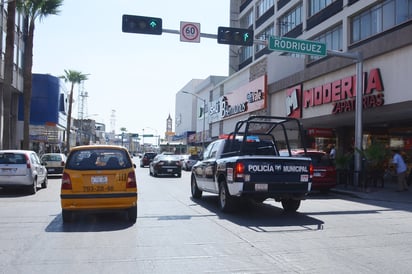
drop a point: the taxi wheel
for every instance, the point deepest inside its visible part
(67, 216)
(132, 214)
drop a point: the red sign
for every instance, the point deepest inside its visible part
(320, 132)
(294, 102)
(342, 93)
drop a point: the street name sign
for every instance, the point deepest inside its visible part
(297, 46)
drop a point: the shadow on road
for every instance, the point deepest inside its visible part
(92, 222)
(262, 217)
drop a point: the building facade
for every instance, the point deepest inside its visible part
(48, 114)
(321, 90)
(17, 78)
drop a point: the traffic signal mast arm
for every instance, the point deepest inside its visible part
(214, 36)
(205, 35)
(153, 25)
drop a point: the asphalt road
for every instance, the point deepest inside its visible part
(175, 234)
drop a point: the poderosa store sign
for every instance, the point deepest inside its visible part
(341, 93)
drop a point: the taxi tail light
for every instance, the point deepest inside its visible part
(66, 182)
(239, 170)
(131, 180)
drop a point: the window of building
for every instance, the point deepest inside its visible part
(262, 6)
(264, 35)
(317, 5)
(379, 18)
(332, 38)
(290, 20)
(245, 53)
(247, 20)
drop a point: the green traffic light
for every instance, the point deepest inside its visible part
(141, 24)
(245, 37)
(153, 24)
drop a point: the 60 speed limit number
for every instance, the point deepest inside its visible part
(189, 32)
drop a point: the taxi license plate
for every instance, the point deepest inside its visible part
(261, 187)
(98, 188)
(99, 180)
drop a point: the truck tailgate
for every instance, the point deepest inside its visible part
(277, 170)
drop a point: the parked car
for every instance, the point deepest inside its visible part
(22, 168)
(324, 170)
(189, 162)
(98, 178)
(147, 158)
(54, 162)
(164, 164)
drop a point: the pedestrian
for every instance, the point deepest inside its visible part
(401, 168)
(332, 152)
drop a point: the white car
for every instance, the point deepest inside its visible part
(22, 168)
(190, 161)
(54, 162)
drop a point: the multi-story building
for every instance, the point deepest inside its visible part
(321, 90)
(48, 114)
(191, 130)
(17, 82)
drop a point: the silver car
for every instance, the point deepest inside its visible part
(22, 168)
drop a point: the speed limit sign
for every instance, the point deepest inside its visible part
(189, 32)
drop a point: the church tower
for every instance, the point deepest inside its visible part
(169, 129)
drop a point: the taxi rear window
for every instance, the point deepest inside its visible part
(99, 159)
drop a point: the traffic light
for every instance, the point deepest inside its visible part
(235, 36)
(141, 24)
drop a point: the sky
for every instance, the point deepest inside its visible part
(136, 75)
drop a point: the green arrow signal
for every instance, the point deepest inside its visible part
(153, 24)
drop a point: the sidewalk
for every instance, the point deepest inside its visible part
(387, 193)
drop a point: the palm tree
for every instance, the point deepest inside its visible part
(32, 9)
(74, 77)
(6, 96)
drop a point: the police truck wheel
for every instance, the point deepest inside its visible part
(290, 205)
(226, 202)
(196, 192)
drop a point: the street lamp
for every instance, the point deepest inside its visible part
(204, 116)
(157, 136)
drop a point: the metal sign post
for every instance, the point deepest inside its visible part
(358, 110)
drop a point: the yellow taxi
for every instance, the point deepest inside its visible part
(98, 178)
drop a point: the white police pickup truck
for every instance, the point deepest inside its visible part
(246, 164)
